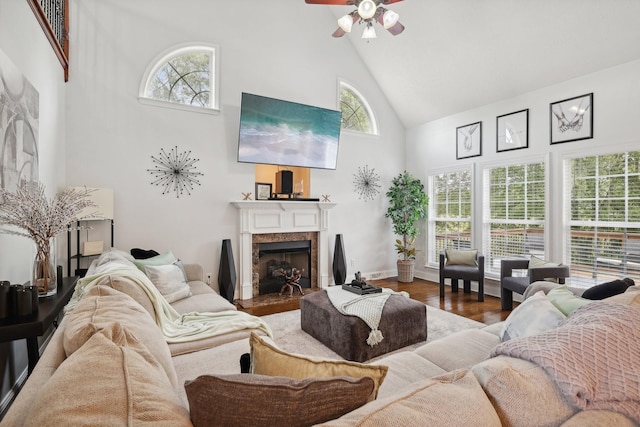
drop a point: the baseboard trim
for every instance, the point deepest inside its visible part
(8, 399)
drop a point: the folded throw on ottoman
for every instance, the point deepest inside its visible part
(366, 307)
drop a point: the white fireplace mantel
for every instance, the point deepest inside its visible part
(281, 216)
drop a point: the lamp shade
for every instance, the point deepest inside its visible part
(389, 19)
(366, 9)
(369, 32)
(345, 23)
(102, 198)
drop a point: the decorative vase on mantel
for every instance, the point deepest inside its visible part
(44, 268)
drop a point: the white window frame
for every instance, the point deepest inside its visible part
(365, 104)
(161, 59)
(492, 267)
(613, 267)
(432, 218)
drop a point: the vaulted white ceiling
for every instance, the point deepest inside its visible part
(456, 55)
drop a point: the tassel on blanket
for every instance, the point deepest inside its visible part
(375, 337)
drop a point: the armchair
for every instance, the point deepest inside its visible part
(463, 272)
(510, 284)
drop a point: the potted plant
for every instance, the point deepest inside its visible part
(29, 213)
(407, 204)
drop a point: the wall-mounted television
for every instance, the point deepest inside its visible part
(277, 132)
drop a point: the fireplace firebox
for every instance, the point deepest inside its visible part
(279, 258)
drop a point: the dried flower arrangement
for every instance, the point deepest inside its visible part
(29, 213)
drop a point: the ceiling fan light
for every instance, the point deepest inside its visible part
(389, 19)
(369, 32)
(345, 23)
(367, 8)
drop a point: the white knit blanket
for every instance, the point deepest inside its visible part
(367, 307)
(175, 327)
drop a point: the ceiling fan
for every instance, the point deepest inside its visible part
(367, 11)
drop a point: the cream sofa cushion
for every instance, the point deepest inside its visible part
(460, 350)
(405, 369)
(598, 418)
(112, 380)
(522, 393)
(101, 307)
(454, 399)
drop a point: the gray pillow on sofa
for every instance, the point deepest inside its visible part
(535, 315)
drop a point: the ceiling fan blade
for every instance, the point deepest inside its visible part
(338, 33)
(396, 29)
(333, 2)
(389, 1)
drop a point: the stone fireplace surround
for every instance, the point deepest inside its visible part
(274, 219)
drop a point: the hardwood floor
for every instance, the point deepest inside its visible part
(427, 292)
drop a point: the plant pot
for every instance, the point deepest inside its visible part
(405, 270)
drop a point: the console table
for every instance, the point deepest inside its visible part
(30, 329)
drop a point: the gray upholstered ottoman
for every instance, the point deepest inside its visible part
(403, 322)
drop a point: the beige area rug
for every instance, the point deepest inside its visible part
(289, 336)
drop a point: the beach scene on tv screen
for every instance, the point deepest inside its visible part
(279, 132)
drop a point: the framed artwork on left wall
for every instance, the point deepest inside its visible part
(469, 140)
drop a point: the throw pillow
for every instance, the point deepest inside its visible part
(111, 380)
(565, 300)
(269, 360)
(536, 262)
(535, 315)
(461, 257)
(606, 290)
(162, 259)
(258, 400)
(138, 253)
(429, 403)
(169, 280)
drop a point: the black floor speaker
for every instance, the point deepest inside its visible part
(227, 272)
(284, 182)
(339, 262)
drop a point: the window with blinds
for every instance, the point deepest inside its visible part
(602, 210)
(513, 212)
(449, 212)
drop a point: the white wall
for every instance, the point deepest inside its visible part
(616, 108)
(112, 136)
(22, 40)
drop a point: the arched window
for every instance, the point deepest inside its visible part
(356, 112)
(183, 77)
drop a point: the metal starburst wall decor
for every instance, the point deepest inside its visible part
(367, 183)
(175, 171)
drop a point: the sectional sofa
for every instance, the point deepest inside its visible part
(108, 363)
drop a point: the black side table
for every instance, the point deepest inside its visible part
(31, 328)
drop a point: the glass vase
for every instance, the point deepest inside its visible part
(44, 268)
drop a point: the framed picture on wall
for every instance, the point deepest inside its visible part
(512, 131)
(469, 140)
(263, 191)
(571, 119)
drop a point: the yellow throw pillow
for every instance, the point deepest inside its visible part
(462, 257)
(269, 360)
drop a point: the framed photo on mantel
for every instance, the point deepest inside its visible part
(469, 140)
(512, 131)
(263, 191)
